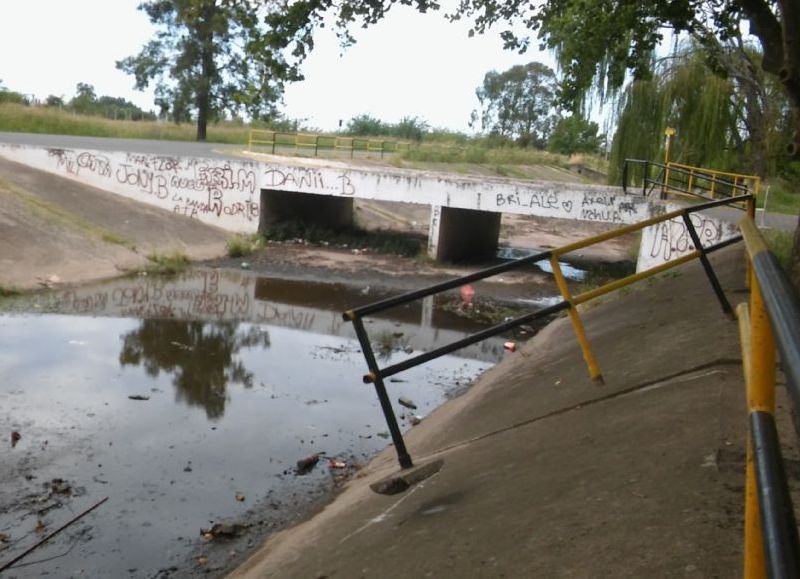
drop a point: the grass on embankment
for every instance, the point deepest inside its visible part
(22, 119)
(780, 197)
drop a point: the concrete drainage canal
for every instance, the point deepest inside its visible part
(189, 402)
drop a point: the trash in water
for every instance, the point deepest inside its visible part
(467, 293)
(223, 531)
(15, 438)
(510, 346)
(407, 402)
(307, 464)
(335, 463)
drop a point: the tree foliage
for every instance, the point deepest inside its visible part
(86, 102)
(518, 104)
(575, 134)
(209, 57)
(598, 43)
(12, 97)
(411, 128)
(733, 121)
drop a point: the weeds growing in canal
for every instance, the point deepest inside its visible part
(408, 245)
(240, 245)
(167, 263)
(7, 292)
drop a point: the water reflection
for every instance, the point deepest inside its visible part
(199, 355)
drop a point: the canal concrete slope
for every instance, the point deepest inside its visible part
(549, 475)
(56, 230)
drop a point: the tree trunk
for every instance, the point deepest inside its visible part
(203, 86)
(790, 77)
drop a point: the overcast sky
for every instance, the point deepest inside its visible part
(409, 64)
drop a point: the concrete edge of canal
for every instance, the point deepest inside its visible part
(547, 474)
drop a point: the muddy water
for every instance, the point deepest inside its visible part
(186, 403)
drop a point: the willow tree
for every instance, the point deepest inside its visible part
(209, 57)
(684, 94)
(732, 118)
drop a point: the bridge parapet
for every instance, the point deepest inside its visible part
(241, 195)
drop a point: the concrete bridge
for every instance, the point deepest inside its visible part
(246, 194)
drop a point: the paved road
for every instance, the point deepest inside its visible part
(165, 147)
(174, 148)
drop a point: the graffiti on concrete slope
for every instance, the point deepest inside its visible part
(173, 181)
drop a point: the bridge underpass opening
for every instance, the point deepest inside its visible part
(463, 234)
(307, 208)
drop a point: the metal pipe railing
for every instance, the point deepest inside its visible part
(376, 374)
(694, 180)
(772, 320)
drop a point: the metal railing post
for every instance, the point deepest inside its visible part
(577, 325)
(386, 405)
(760, 396)
(712, 277)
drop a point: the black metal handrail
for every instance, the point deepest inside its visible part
(377, 374)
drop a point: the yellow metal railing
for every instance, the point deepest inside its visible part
(260, 139)
(710, 181)
(771, 545)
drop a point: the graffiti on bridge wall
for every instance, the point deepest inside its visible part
(309, 181)
(671, 238)
(588, 206)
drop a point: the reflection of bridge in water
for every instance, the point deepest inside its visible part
(225, 296)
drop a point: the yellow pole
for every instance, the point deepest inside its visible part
(761, 383)
(668, 133)
(577, 325)
(760, 397)
(754, 563)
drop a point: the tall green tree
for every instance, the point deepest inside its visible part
(212, 56)
(85, 100)
(518, 104)
(575, 134)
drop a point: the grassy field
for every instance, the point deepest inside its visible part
(22, 119)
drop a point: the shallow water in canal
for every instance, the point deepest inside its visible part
(188, 402)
